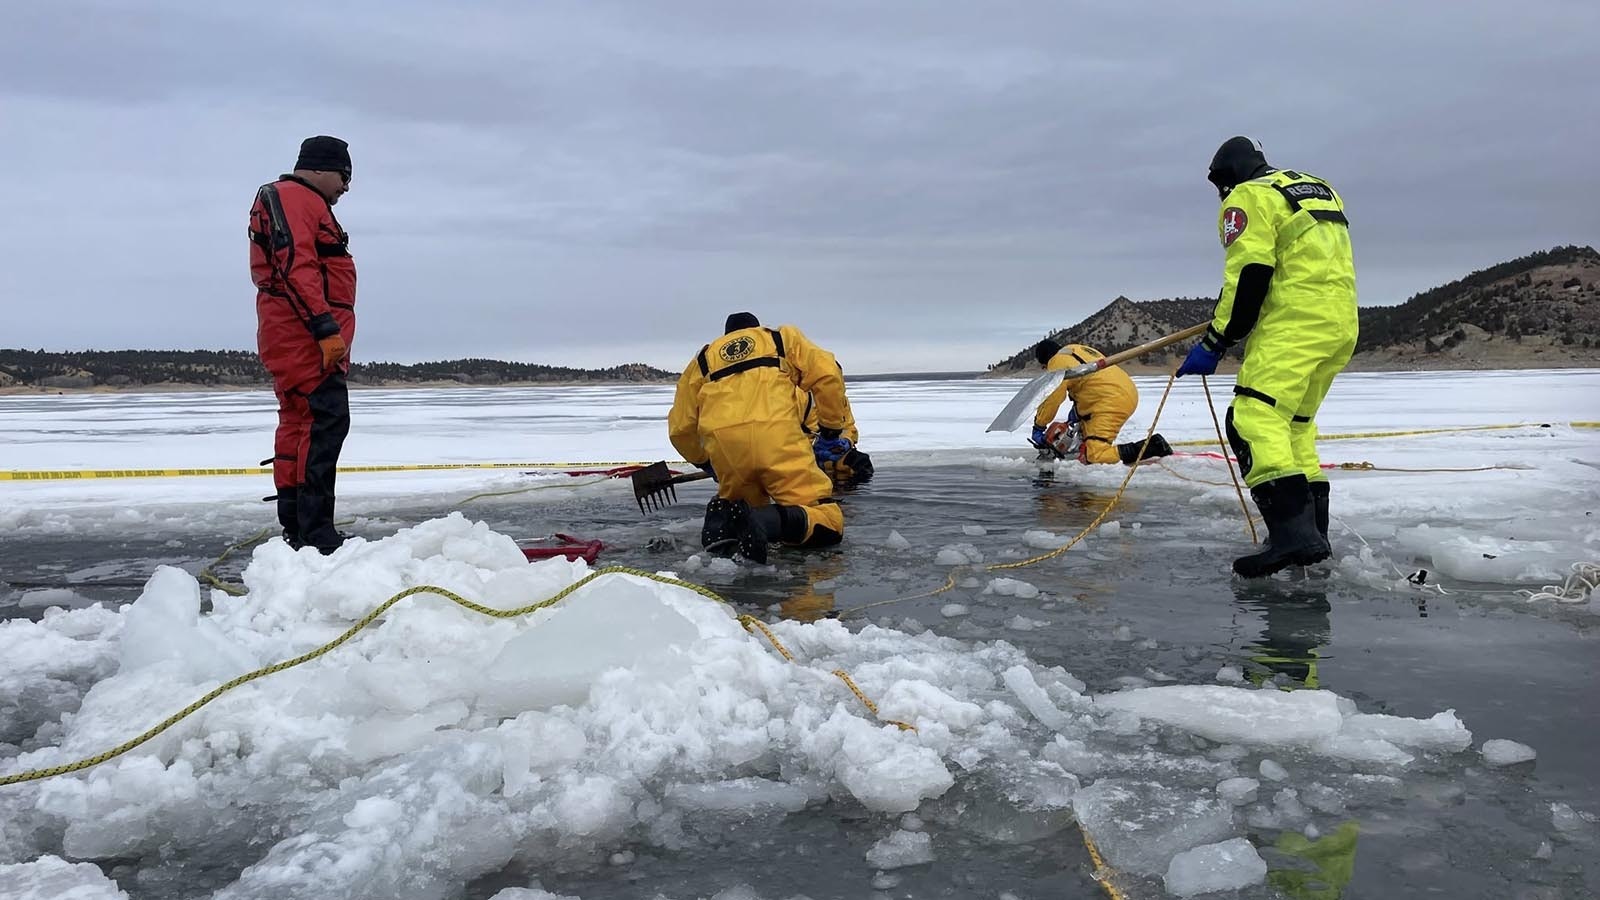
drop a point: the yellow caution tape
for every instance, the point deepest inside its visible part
(72, 474)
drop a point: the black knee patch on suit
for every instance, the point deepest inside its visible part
(823, 536)
(781, 523)
(1241, 448)
(330, 425)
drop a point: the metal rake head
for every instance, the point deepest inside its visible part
(653, 487)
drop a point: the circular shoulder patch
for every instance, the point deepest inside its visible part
(1233, 224)
(737, 349)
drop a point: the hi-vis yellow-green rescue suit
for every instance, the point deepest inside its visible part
(1104, 400)
(735, 406)
(1289, 284)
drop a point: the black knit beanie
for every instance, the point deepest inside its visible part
(740, 320)
(323, 154)
(1045, 350)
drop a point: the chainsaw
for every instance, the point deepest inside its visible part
(1061, 441)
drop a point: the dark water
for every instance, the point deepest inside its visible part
(1141, 602)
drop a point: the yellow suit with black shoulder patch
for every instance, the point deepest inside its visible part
(1289, 292)
(1105, 400)
(735, 407)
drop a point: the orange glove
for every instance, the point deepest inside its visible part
(333, 350)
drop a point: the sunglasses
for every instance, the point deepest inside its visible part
(344, 176)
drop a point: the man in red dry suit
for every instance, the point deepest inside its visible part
(305, 315)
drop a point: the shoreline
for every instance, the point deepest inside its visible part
(1388, 365)
(25, 390)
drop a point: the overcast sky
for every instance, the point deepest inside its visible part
(917, 185)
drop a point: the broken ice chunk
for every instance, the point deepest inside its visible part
(1500, 752)
(1140, 826)
(901, 848)
(1238, 791)
(1228, 866)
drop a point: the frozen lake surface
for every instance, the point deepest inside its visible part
(636, 742)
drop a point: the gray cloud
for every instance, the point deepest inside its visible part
(918, 186)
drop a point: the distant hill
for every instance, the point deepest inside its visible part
(240, 368)
(1540, 310)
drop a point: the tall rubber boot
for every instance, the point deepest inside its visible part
(1319, 499)
(316, 522)
(1292, 536)
(1157, 448)
(289, 516)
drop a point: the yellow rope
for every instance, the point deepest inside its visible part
(1111, 504)
(751, 622)
(369, 618)
(1365, 435)
(1369, 467)
(1102, 873)
(1232, 475)
(845, 677)
(209, 577)
(950, 581)
(536, 487)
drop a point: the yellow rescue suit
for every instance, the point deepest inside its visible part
(1289, 283)
(1104, 401)
(735, 407)
(806, 402)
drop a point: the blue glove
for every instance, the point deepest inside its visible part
(1072, 415)
(706, 468)
(830, 449)
(1200, 361)
(1037, 439)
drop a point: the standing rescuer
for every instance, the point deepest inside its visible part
(735, 415)
(1288, 292)
(305, 316)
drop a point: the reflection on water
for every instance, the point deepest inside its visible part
(1295, 630)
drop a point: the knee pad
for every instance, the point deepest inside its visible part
(1241, 448)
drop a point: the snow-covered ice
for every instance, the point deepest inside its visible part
(53, 878)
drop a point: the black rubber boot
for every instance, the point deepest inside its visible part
(730, 527)
(289, 516)
(316, 522)
(1319, 500)
(1292, 537)
(1130, 451)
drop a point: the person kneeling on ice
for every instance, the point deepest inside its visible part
(1288, 292)
(854, 467)
(1101, 403)
(734, 416)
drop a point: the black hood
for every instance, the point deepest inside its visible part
(1238, 160)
